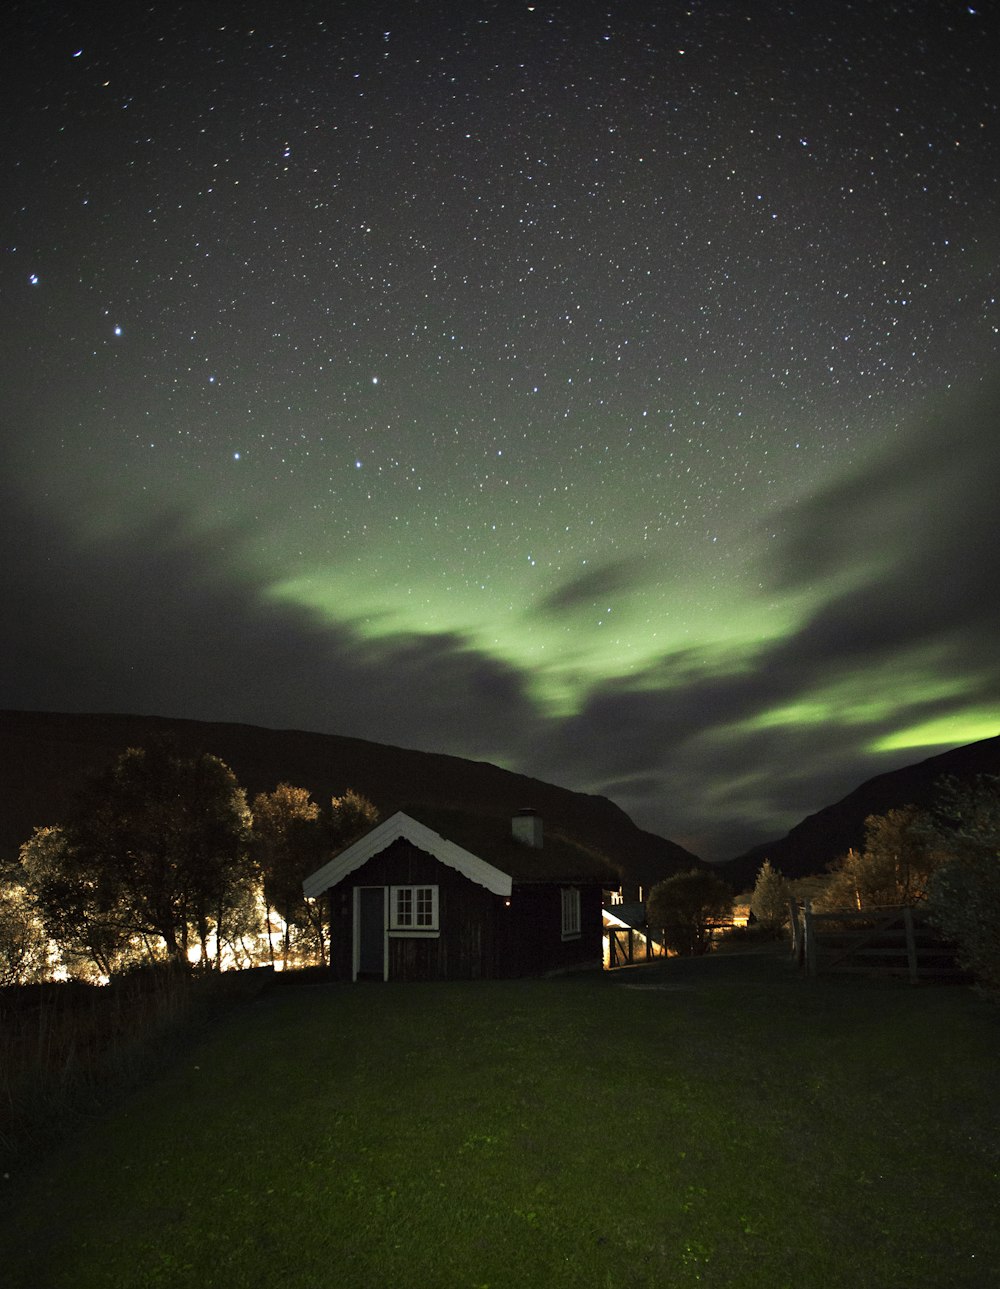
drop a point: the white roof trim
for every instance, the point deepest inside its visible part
(384, 834)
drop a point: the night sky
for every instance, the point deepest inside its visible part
(609, 392)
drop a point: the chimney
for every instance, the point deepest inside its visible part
(526, 827)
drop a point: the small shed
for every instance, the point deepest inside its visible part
(449, 896)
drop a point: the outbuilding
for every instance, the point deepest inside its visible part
(449, 896)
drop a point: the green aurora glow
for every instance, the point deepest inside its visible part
(509, 383)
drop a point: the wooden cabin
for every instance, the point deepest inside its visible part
(455, 897)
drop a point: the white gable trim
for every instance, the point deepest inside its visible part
(390, 830)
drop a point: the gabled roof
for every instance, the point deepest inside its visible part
(481, 849)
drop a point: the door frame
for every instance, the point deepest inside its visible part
(356, 936)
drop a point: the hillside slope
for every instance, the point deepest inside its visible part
(830, 832)
(46, 757)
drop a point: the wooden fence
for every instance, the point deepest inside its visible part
(894, 941)
(625, 945)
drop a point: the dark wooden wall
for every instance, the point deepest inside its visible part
(534, 941)
(481, 935)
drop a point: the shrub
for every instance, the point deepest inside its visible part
(964, 895)
(964, 903)
(685, 906)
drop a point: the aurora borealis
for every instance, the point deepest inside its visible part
(609, 392)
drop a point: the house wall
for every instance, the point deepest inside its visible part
(466, 947)
(481, 936)
(534, 942)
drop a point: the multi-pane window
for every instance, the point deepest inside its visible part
(413, 908)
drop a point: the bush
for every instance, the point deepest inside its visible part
(964, 893)
(964, 903)
(685, 906)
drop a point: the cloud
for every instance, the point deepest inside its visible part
(917, 521)
(900, 558)
(716, 747)
(608, 580)
(911, 543)
(173, 619)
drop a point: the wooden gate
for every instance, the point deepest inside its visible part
(885, 941)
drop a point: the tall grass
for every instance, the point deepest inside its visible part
(67, 1048)
(719, 1123)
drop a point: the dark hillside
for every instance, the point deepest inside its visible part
(829, 833)
(47, 756)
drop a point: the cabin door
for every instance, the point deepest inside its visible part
(370, 928)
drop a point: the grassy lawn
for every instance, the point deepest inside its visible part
(719, 1123)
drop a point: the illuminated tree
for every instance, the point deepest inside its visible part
(350, 816)
(24, 946)
(685, 907)
(287, 844)
(769, 902)
(901, 852)
(160, 843)
(79, 906)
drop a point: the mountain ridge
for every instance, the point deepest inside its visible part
(830, 832)
(50, 755)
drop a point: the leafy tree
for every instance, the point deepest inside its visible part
(685, 906)
(24, 946)
(242, 939)
(350, 816)
(292, 838)
(964, 895)
(79, 907)
(157, 850)
(288, 844)
(900, 854)
(769, 902)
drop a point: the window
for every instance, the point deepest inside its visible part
(413, 909)
(570, 913)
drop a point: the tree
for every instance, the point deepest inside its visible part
(900, 854)
(158, 848)
(769, 902)
(24, 946)
(964, 896)
(350, 816)
(288, 844)
(685, 906)
(78, 906)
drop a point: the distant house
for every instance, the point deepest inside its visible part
(457, 897)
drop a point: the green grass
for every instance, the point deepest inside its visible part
(732, 1126)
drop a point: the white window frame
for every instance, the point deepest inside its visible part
(398, 927)
(570, 902)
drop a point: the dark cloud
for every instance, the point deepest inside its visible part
(914, 537)
(173, 618)
(908, 548)
(169, 618)
(921, 512)
(614, 578)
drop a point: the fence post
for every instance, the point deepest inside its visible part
(911, 945)
(810, 938)
(796, 925)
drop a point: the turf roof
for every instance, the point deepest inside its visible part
(559, 859)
